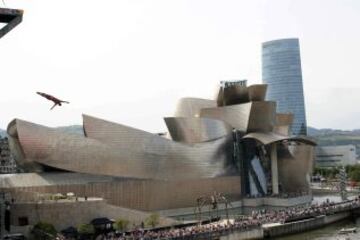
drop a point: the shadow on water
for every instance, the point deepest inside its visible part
(330, 232)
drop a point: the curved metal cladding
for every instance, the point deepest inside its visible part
(196, 130)
(295, 159)
(281, 70)
(125, 152)
(237, 94)
(283, 123)
(295, 164)
(17, 150)
(257, 92)
(246, 117)
(190, 107)
(270, 137)
(231, 95)
(165, 159)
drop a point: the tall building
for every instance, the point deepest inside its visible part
(333, 156)
(7, 162)
(281, 70)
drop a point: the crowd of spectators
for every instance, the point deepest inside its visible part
(243, 223)
(298, 213)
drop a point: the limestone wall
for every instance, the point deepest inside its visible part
(304, 225)
(295, 227)
(256, 233)
(145, 195)
(67, 213)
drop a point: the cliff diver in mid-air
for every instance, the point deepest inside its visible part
(51, 98)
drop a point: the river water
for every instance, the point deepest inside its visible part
(329, 232)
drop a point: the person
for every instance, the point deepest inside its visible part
(214, 201)
(52, 98)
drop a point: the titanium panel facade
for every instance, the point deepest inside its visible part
(124, 152)
(270, 137)
(281, 71)
(295, 165)
(237, 94)
(196, 130)
(190, 107)
(245, 117)
(233, 149)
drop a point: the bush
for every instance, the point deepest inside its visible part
(121, 224)
(43, 230)
(152, 220)
(354, 173)
(86, 229)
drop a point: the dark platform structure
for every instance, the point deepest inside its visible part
(11, 18)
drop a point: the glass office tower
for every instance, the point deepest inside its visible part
(281, 70)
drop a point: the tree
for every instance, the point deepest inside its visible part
(43, 230)
(121, 224)
(355, 175)
(353, 172)
(152, 220)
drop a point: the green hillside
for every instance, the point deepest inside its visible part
(329, 137)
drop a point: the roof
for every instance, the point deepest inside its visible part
(271, 137)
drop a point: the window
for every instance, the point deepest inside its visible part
(23, 221)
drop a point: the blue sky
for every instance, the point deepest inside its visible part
(130, 61)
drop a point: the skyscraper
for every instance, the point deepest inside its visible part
(281, 70)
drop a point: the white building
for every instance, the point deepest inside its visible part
(331, 156)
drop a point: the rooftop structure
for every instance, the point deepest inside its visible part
(228, 83)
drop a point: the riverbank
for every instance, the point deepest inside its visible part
(259, 225)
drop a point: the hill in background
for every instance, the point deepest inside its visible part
(331, 137)
(324, 137)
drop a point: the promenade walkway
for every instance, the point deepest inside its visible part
(245, 223)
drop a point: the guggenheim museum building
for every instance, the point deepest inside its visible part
(236, 144)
